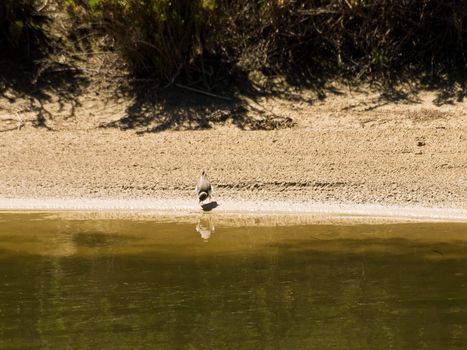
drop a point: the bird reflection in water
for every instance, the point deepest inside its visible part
(205, 227)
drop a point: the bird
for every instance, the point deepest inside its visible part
(203, 188)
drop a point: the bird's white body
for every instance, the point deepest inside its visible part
(203, 188)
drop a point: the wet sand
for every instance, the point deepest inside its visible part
(311, 212)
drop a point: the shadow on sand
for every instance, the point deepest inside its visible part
(237, 101)
(182, 107)
(36, 88)
(209, 206)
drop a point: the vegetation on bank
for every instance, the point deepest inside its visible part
(24, 29)
(203, 40)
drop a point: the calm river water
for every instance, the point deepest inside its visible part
(128, 284)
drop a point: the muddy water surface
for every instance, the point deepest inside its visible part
(155, 284)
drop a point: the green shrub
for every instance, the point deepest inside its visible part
(23, 31)
(357, 36)
(158, 37)
(165, 38)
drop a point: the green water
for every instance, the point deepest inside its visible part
(114, 284)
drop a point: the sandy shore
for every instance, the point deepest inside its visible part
(315, 212)
(347, 154)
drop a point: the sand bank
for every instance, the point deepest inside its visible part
(352, 153)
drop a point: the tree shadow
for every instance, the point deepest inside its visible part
(30, 88)
(191, 107)
(451, 86)
(240, 99)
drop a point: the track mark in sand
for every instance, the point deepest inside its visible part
(290, 185)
